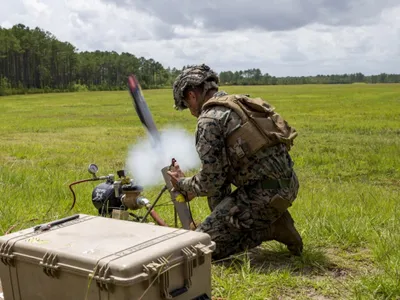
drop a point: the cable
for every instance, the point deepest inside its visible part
(73, 193)
(191, 216)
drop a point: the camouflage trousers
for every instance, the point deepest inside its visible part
(243, 219)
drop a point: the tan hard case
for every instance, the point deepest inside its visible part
(97, 258)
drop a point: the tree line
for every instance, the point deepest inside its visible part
(35, 61)
(255, 77)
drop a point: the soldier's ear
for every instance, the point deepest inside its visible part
(192, 95)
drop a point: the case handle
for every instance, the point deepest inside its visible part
(177, 292)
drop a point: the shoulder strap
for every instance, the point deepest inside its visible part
(227, 101)
(243, 105)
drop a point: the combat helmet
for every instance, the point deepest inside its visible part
(192, 76)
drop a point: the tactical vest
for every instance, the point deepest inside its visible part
(261, 127)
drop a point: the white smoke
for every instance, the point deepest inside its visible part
(145, 161)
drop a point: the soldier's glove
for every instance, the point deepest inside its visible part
(240, 217)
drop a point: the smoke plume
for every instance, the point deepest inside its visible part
(145, 160)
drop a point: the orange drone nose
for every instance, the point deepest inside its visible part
(131, 83)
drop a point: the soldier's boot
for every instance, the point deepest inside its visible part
(284, 231)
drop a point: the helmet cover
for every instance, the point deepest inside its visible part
(192, 76)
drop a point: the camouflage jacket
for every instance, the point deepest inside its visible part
(216, 175)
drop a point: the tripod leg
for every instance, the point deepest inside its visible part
(155, 202)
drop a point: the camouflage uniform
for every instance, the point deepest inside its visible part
(241, 219)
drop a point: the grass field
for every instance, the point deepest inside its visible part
(347, 157)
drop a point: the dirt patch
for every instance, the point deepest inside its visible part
(307, 293)
(313, 295)
(314, 262)
(321, 273)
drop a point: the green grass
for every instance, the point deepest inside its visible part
(347, 157)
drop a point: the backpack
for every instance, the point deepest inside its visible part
(261, 126)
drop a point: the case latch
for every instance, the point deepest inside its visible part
(155, 267)
(6, 255)
(161, 268)
(102, 278)
(49, 264)
(189, 258)
(203, 251)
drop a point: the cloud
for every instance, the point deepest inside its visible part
(282, 38)
(272, 15)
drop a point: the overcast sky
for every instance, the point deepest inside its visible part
(281, 37)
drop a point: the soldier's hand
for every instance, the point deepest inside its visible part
(175, 176)
(176, 168)
(175, 173)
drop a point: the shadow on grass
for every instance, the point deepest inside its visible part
(275, 257)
